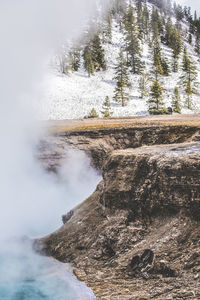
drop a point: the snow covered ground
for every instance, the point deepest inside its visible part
(73, 96)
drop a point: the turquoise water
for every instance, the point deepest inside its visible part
(24, 275)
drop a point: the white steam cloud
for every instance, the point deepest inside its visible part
(30, 31)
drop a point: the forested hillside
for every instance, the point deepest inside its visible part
(141, 58)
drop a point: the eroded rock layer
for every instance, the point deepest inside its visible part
(99, 143)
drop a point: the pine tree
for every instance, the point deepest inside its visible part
(155, 103)
(174, 41)
(157, 59)
(179, 13)
(190, 38)
(156, 23)
(176, 45)
(93, 113)
(168, 33)
(155, 47)
(140, 18)
(176, 101)
(188, 80)
(146, 21)
(98, 54)
(186, 61)
(143, 85)
(108, 28)
(192, 27)
(197, 44)
(189, 92)
(132, 47)
(187, 13)
(122, 81)
(165, 66)
(106, 108)
(88, 62)
(75, 57)
(195, 16)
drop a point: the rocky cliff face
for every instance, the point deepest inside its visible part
(137, 236)
(153, 180)
(98, 144)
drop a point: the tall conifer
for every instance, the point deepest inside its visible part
(188, 80)
(122, 81)
(176, 101)
(88, 62)
(155, 102)
(132, 41)
(98, 54)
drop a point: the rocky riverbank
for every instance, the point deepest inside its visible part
(137, 236)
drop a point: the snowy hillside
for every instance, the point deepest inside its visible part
(75, 94)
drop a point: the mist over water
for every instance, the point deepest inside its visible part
(32, 201)
(23, 273)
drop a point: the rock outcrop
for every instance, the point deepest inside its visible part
(98, 144)
(138, 235)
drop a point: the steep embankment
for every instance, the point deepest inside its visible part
(137, 236)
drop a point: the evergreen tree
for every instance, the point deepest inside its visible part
(122, 81)
(157, 59)
(187, 13)
(119, 10)
(192, 26)
(156, 23)
(132, 47)
(190, 38)
(186, 60)
(97, 53)
(140, 18)
(143, 85)
(174, 41)
(188, 78)
(168, 33)
(197, 44)
(179, 13)
(146, 21)
(176, 45)
(189, 92)
(88, 62)
(75, 57)
(165, 66)
(156, 48)
(93, 114)
(155, 103)
(195, 16)
(176, 101)
(106, 109)
(108, 28)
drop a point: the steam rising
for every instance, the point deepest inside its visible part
(30, 31)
